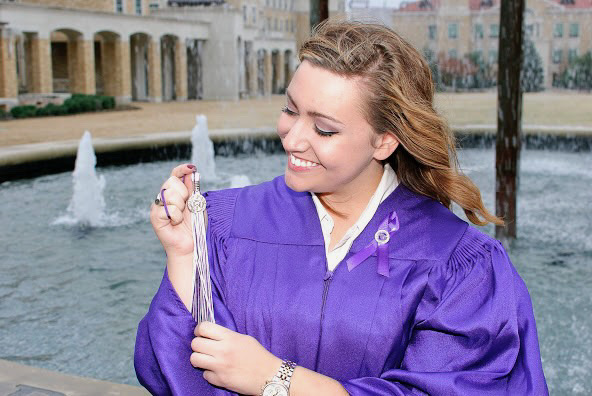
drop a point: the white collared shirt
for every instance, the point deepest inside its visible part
(387, 185)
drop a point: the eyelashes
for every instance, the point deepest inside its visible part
(320, 132)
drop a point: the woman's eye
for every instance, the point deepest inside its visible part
(324, 133)
(286, 110)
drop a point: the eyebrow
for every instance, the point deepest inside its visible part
(315, 113)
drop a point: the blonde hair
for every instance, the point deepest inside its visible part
(398, 92)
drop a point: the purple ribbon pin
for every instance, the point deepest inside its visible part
(388, 227)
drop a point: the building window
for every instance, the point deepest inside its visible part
(558, 30)
(452, 54)
(254, 15)
(432, 32)
(494, 30)
(453, 30)
(268, 23)
(574, 30)
(119, 6)
(478, 31)
(572, 55)
(138, 7)
(281, 25)
(478, 55)
(492, 56)
(557, 55)
(153, 6)
(275, 24)
(244, 14)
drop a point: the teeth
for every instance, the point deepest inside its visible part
(301, 163)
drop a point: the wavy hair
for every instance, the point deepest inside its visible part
(398, 99)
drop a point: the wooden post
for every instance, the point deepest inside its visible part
(509, 115)
(319, 11)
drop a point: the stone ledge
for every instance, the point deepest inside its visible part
(20, 380)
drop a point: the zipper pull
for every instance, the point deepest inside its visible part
(328, 275)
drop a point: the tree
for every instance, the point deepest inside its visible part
(432, 60)
(532, 68)
(577, 75)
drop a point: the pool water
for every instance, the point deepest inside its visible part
(71, 297)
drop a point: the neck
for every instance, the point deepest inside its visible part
(349, 203)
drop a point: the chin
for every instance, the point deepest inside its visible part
(293, 184)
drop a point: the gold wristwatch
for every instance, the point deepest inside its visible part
(279, 385)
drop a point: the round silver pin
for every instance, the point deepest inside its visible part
(382, 237)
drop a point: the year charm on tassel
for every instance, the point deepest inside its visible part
(202, 308)
(196, 203)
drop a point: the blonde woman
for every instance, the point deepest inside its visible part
(349, 274)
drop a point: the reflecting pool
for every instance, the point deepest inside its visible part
(71, 297)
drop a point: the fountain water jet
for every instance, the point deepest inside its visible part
(202, 151)
(87, 205)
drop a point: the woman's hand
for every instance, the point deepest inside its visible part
(232, 360)
(175, 233)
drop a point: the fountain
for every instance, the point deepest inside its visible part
(87, 206)
(202, 153)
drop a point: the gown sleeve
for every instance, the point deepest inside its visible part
(473, 334)
(163, 340)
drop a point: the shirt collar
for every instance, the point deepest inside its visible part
(387, 185)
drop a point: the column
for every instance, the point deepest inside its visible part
(281, 82)
(154, 73)
(253, 74)
(40, 79)
(267, 73)
(180, 70)
(8, 79)
(81, 66)
(116, 69)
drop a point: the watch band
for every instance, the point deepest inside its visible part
(283, 376)
(285, 372)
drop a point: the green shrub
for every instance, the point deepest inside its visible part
(77, 103)
(107, 102)
(42, 111)
(23, 111)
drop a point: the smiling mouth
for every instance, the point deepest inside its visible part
(300, 163)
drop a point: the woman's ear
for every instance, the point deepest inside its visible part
(387, 143)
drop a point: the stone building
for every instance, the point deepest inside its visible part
(149, 50)
(559, 29)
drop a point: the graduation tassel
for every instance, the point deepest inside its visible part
(202, 308)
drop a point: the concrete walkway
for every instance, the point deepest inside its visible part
(19, 380)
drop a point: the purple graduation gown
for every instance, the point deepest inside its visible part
(453, 317)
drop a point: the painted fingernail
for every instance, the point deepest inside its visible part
(191, 167)
(183, 178)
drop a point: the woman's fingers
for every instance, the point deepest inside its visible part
(176, 215)
(184, 170)
(173, 198)
(203, 361)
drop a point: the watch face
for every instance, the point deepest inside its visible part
(275, 389)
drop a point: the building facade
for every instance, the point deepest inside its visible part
(559, 29)
(149, 50)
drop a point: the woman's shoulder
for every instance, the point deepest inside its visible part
(267, 212)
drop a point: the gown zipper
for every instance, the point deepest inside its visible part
(326, 282)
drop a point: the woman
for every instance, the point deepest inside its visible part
(349, 274)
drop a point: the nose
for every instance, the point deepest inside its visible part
(296, 139)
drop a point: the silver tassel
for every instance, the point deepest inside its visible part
(202, 308)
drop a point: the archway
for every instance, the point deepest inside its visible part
(139, 43)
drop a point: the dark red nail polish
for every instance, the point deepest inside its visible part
(191, 167)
